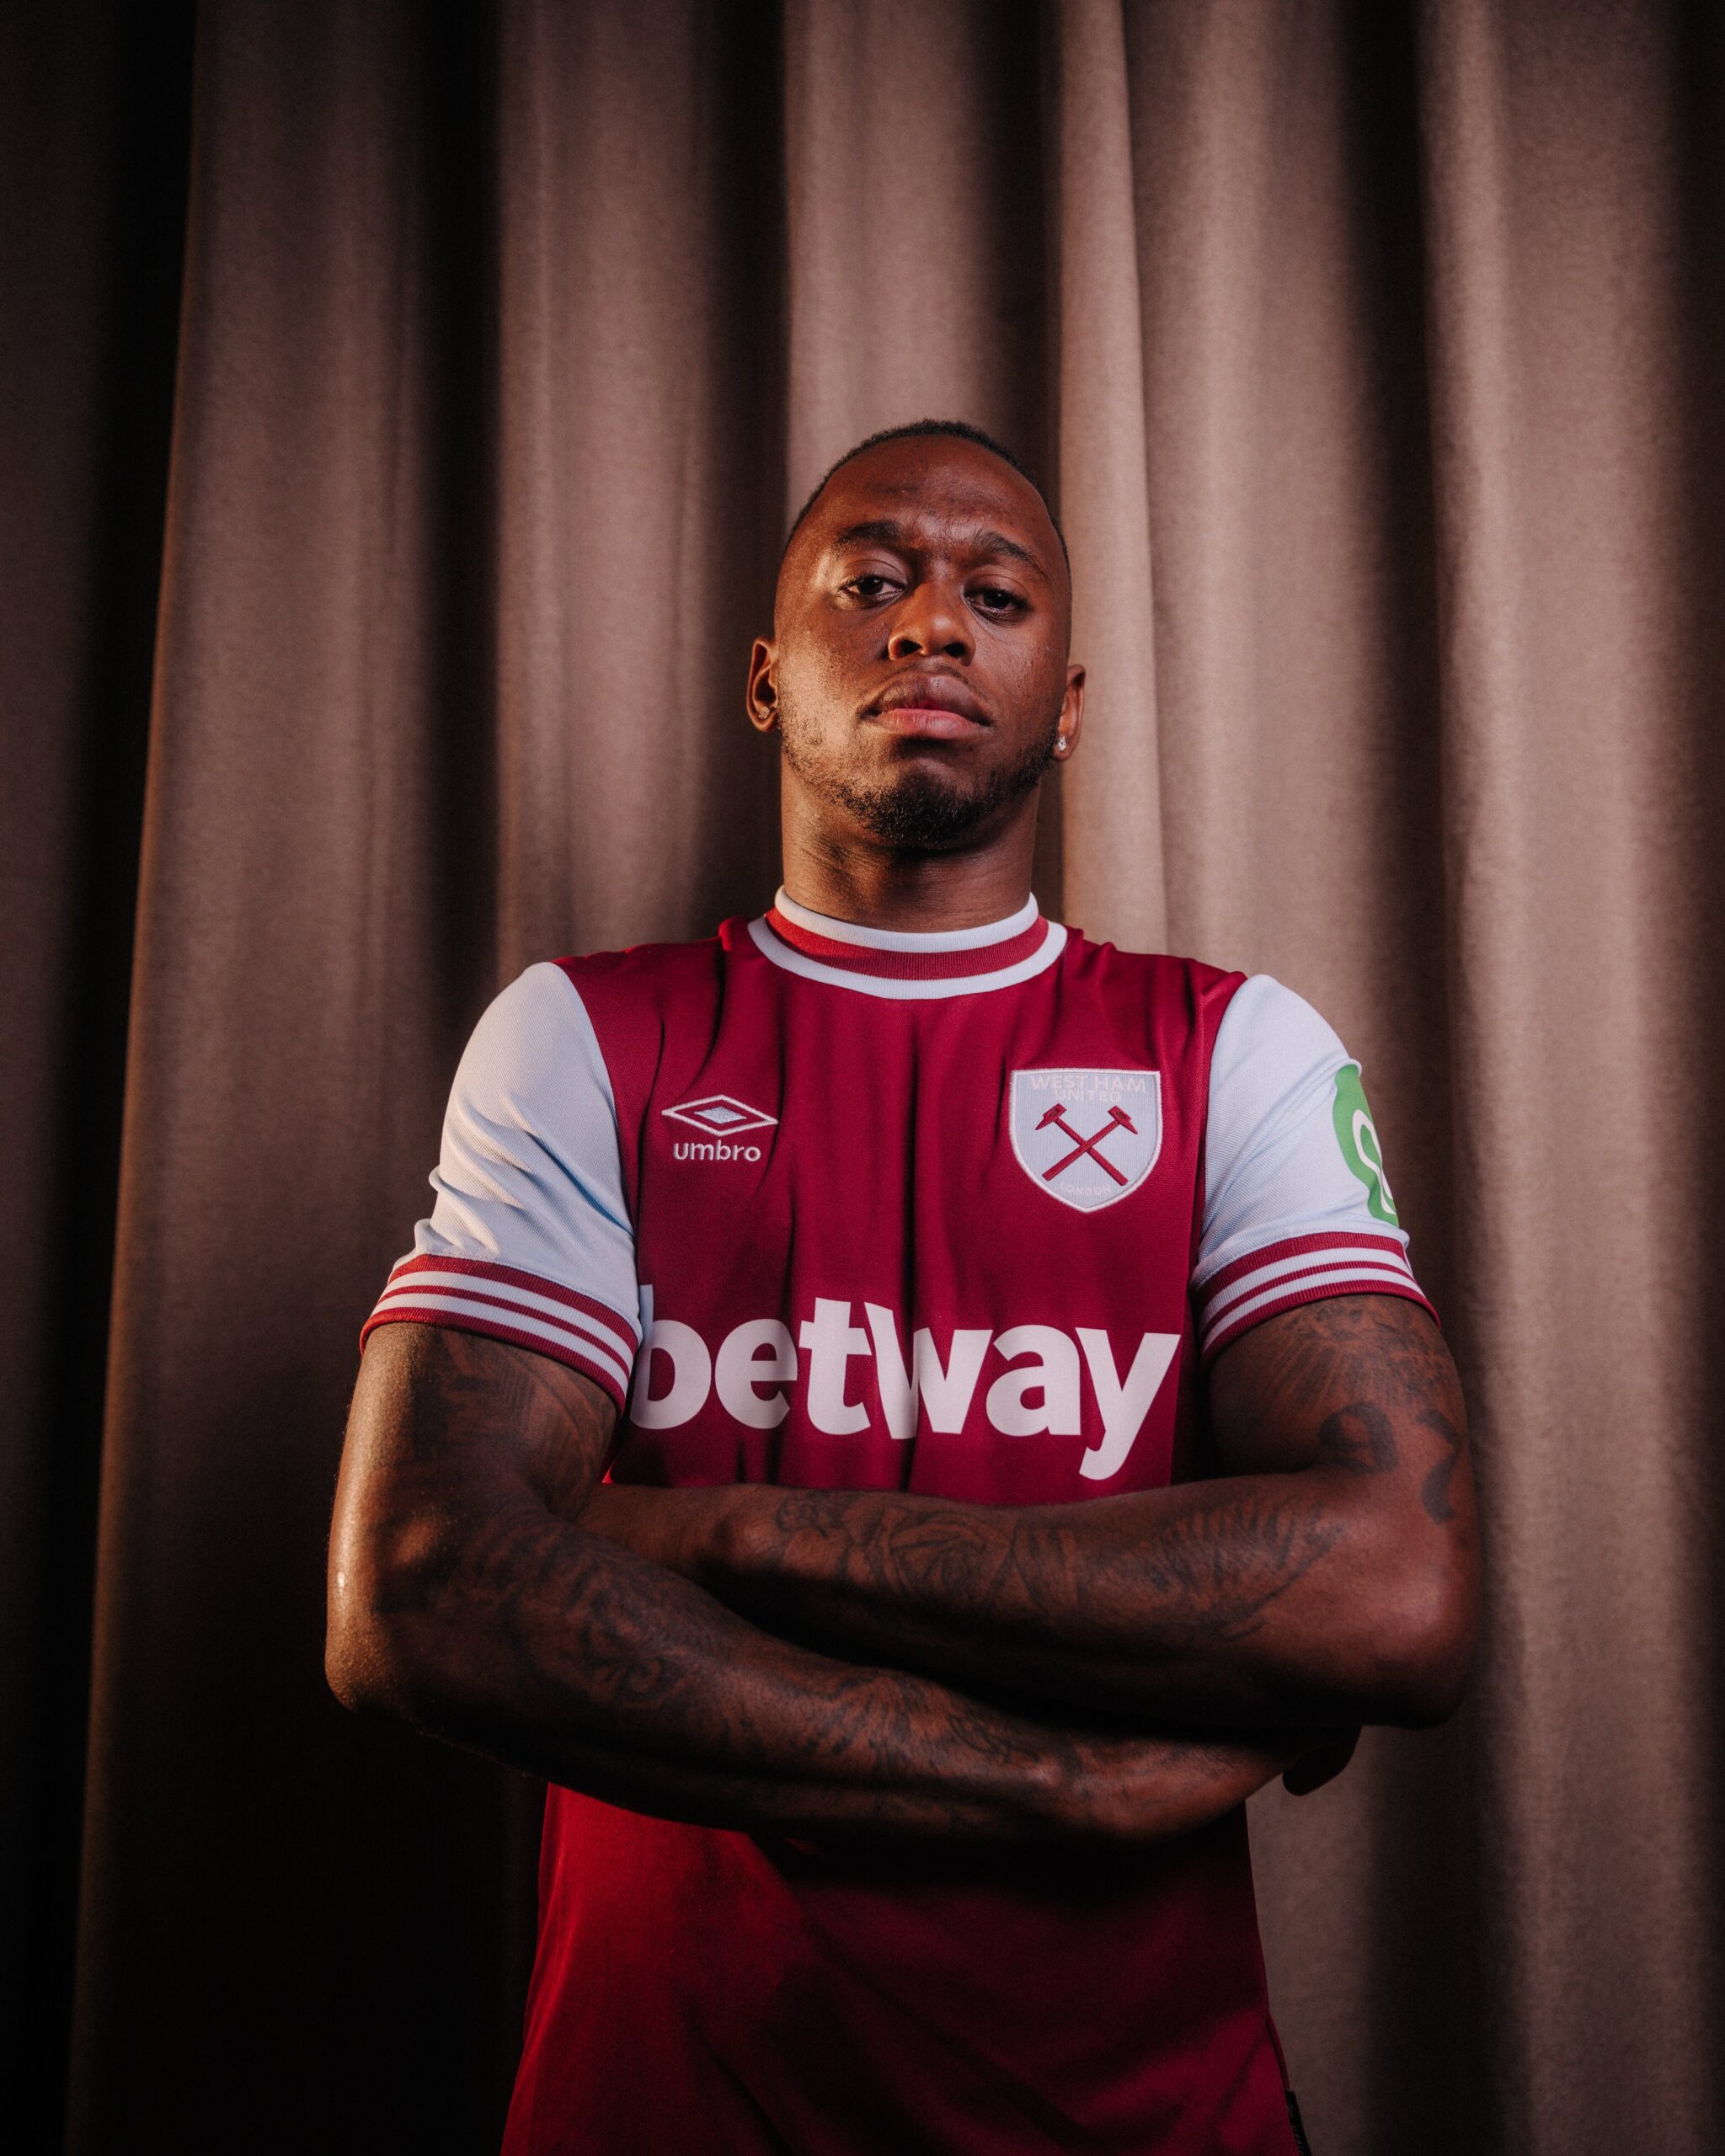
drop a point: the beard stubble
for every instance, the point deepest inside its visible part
(918, 810)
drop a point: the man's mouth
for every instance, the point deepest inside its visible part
(933, 709)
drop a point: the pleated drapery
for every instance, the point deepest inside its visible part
(402, 410)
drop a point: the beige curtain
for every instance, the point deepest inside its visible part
(1376, 353)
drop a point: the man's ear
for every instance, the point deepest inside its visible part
(1071, 713)
(760, 698)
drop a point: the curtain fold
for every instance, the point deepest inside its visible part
(403, 410)
(640, 484)
(1110, 806)
(92, 213)
(1577, 652)
(269, 1893)
(1280, 226)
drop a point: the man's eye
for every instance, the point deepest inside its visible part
(870, 586)
(997, 599)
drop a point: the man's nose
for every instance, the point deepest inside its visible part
(932, 621)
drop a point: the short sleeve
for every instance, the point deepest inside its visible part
(1297, 1201)
(529, 1239)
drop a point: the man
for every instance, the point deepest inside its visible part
(1025, 1435)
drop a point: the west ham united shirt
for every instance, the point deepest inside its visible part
(966, 1214)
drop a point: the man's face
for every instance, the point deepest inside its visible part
(918, 673)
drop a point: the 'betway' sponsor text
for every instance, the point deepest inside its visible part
(1041, 1389)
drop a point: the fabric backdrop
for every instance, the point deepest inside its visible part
(402, 406)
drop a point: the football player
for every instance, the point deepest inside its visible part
(905, 1417)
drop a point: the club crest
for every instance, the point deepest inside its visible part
(1086, 1137)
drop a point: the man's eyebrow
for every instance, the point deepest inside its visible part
(888, 532)
(883, 531)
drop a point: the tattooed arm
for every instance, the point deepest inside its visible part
(1330, 1576)
(465, 1599)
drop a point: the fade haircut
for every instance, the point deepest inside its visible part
(953, 430)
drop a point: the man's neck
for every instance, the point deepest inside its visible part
(875, 886)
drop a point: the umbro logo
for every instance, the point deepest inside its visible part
(724, 1118)
(720, 1114)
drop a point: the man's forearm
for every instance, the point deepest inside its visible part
(1195, 1604)
(1340, 1590)
(579, 1661)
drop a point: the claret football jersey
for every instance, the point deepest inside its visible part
(965, 1214)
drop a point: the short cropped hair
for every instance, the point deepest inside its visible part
(956, 430)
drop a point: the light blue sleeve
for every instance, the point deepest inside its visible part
(1297, 1200)
(530, 1237)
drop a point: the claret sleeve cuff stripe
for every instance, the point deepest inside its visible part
(1302, 1270)
(533, 1287)
(502, 1301)
(1295, 1293)
(520, 1330)
(1340, 1278)
(1326, 1245)
(425, 1291)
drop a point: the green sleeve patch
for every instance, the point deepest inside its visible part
(1356, 1136)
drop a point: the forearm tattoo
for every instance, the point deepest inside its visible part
(1361, 1386)
(569, 1655)
(1209, 1566)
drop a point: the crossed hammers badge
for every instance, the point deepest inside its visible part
(1086, 1146)
(1086, 1137)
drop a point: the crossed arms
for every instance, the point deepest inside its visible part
(857, 1665)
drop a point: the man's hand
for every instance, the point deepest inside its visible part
(469, 1596)
(1328, 1576)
